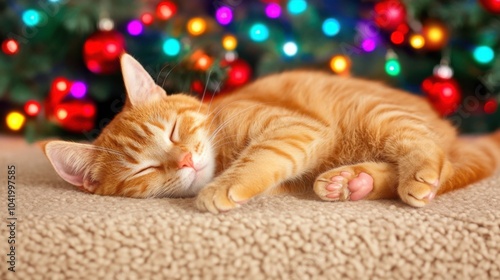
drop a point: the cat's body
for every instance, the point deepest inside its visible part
(348, 139)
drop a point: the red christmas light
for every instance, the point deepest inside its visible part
(492, 6)
(397, 37)
(166, 10)
(490, 106)
(239, 74)
(147, 18)
(76, 115)
(32, 108)
(10, 46)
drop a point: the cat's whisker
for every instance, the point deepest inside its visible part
(205, 90)
(166, 77)
(159, 73)
(213, 95)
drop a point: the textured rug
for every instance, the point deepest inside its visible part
(62, 233)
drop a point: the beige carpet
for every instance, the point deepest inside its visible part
(65, 234)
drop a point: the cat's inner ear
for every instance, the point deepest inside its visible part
(141, 88)
(72, 161)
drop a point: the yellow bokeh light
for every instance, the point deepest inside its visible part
(339, 64)
(229, 42)
(417, 41)
(15, 120)
(196, 26)
(435, 34)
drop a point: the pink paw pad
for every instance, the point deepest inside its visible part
(357, 188)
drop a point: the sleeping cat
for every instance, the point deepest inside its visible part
(347, 139)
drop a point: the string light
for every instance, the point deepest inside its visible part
(369, 44)
(397, 37)
(32, 108)
(331, 27)
(31, 17)
(340, 64)
(296, 7)
(224, 15)
(61, 84)
(259, 32)
(106, 24)
(273, 10)
(147, 18)
(196, 26)
(229, 42)
(15, 121)
(135, 27)
(78, 89)
(172, 47)
(417, 41)
(290, 48)
(61, 114)
(203, 63)
(392, 67)
(490, 106)
(165, 10)
(483, 54)
(10, 46)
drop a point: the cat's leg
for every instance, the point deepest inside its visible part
(283, 153)
(366, 180)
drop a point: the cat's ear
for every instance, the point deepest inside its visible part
(141, 88)
(72, 161)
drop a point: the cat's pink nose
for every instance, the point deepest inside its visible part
(186, 161)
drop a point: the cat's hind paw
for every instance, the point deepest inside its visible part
(344, 185)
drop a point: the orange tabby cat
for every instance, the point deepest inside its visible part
(346, 138)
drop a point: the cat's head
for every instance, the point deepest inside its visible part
(157, 146)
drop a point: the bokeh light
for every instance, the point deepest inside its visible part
(290, 48)
(166, 10)
(10, 46)
(483, 54)
(15, 120)
(340, 64)
(196, 26)
(229, 42)
(417, 41)
(369, 44)
(259, 32)
(135, 27)
(392, 67)
(172, 47)
(273, 10)
(31, 17)
(147, 18)
(78, 89)
(224, 15)
(32, 108)
(331, 27)
(296, 7)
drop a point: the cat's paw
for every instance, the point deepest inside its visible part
(338, 185)
(218, 198)
(421, 189)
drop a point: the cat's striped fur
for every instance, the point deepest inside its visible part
(288, 131)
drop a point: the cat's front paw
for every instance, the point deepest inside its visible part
(217, 198)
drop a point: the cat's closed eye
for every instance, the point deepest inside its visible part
(144, 171)
(174, 135)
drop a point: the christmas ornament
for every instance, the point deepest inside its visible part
(492, 6)
(389, 14)
(442, 90)
(340, 64)
(435, 35)
(102, 50)
(76, 115)
(15, 121)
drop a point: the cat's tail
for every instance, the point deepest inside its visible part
(472, 159)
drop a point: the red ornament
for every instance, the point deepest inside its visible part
(76, 115)
(492, 6)
(389, 14)
(444, 94)
(102, 51)
(239, 73)
(32, 108)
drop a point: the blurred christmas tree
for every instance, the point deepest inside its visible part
(60, 73)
